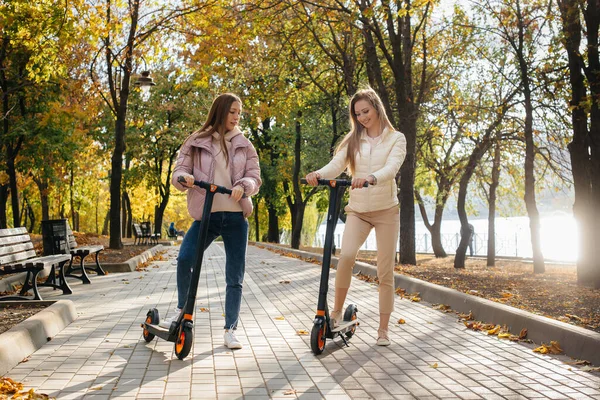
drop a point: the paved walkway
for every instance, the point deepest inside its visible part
(102, 354)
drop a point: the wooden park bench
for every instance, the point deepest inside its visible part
(18, 255)
(59, 239)
(153, 237)
(140, 236)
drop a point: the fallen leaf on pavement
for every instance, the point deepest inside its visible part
(401, 321)
(280, 318)
(553, 348)
(590, 369)
(494, 331)
(302, 332)
(523, 333)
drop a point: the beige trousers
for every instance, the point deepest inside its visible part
(358, 226)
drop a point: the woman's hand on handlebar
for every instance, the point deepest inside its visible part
(237, 192)
(312, 178)
(358, 183)
(188, 180)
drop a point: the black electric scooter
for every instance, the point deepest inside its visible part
(322, 329)
(181, 332)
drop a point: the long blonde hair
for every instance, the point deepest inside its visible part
(217, 119)
(352, 139)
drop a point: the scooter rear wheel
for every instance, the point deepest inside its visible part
(183, 344)
(318, 339)
(153, 319)
(350, 315)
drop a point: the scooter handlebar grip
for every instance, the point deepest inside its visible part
(209, 186)
(327, 182)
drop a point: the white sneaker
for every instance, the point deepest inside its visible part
(335, 318)
(231, 341)
(383, 338)
(166, 323)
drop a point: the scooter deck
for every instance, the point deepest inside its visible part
(344, 326)
(159, 331)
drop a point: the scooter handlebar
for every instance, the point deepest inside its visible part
(333, 182)
(209, 186)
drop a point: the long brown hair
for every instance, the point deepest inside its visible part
(217, 118)
(352, 139)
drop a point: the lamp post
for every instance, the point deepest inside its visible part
(144, 82)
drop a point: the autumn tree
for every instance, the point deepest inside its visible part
(32, 34)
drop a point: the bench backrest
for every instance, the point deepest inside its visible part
(15, 246)
(146, 228)
(137, 230)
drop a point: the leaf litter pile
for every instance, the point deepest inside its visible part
(13, 390)
(553, 294)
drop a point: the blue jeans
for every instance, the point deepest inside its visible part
(233, 228)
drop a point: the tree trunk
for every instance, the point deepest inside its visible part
(160, 213)
(297, 208)
(42, 185)
(297, 218)
(14, 194)
(121, 117)
(435, 228)
(256, 222)
(407, 194)
(530, 202)
(580, 149)
(491, 245)
(71, 197)
(31, 215)
(124, 214)
(273, 232)
(465, 232)
(294, 199)
(3, 200)
(106, 224)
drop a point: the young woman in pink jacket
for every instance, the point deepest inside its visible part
(372, 152)
(218, 153)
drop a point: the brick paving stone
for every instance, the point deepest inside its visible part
(101, 355)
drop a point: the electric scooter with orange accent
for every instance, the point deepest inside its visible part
(322, 329)
(181, 331)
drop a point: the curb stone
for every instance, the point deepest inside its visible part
(132, 263)
(25, 338)
(575, 342)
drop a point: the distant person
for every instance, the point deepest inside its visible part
(373, 152)
(174, 232)
(218, 153)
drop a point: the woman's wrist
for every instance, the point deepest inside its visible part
(372, 179)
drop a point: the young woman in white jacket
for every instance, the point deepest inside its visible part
(372, 152)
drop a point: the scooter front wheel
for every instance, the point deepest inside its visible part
(183, 344)
(317, 338)
(152, 319)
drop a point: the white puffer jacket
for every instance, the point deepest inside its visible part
(383, 161)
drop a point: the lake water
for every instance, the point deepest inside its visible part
(558, 235)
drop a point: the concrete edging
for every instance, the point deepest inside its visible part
(576, 342)
(132, 263)
(25, 338)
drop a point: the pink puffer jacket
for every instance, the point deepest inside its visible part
(196, 158)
